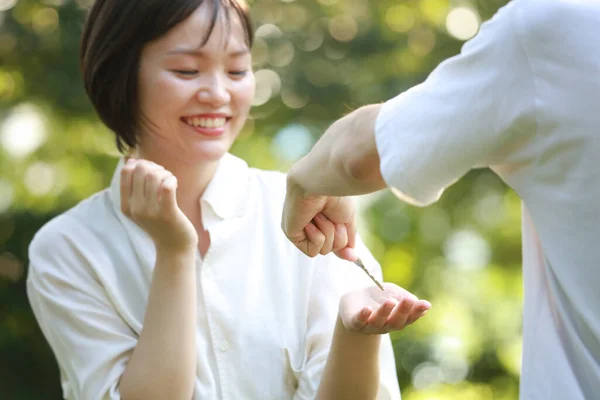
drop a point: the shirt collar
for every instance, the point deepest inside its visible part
(226, 193)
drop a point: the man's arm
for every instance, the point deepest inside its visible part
(344, 161)
(473, 110)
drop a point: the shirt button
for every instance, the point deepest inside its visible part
(224, 346)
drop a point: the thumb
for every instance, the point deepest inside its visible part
(299, 211)
(347, 253)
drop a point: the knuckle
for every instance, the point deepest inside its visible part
(127, 169)
(169, 189)
(140, 169)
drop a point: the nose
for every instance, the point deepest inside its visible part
(214, 90)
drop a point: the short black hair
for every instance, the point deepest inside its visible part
(113, 37)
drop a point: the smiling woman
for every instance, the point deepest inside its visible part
(151, 42)
(176, 282)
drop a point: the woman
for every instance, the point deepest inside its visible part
(177, 282)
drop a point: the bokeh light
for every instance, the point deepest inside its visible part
(23, 131)
(400, 18)
(292, 142)
(45, 21)
(268, 84)
(7, 4)
(343, 28)
(40, 178)
(462, 23)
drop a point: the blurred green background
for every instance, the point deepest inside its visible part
(315, 60)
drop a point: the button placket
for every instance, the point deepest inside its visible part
(220, 346)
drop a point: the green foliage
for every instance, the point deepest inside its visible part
(315, 61)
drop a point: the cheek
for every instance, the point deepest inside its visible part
(244, 94)
(162, 91)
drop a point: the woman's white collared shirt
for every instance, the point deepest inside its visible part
(266, 312)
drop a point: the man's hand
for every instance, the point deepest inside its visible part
(344, 162)
(371, 311)
(319, 224)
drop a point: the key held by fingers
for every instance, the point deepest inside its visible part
(362, 266)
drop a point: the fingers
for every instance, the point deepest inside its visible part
(348, 252)
(311, 234)
(408, 310)
(328, 237)
(140, 183)
(351, 232)
(315, 240)
(154, 193)
(360, 320)
(328, 230)
(298, 210)
(419, 310)
(379, 318)
(340, 239)
(399, 316)
(168, 194)
(395, 315)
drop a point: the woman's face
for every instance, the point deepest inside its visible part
(194, 99)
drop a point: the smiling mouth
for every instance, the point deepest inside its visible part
(207, 123)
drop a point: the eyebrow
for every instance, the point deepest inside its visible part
(203, 54)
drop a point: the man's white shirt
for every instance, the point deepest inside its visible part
(522, 98)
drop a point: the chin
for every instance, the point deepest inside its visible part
(208, 153)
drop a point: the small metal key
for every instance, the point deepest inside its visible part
(362, 266)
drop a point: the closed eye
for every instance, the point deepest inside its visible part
(185, 72)
(238, 73)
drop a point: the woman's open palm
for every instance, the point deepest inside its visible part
(372, 311)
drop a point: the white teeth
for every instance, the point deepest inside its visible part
(209, 123)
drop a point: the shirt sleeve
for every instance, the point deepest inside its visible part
(334, 277)
(472, 111)
(90, 341)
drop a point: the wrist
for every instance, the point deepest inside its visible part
(172, 251)
(367, 342)
(295, 184)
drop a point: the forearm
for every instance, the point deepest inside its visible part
(344, 161)
(163, 364)
(352, 368)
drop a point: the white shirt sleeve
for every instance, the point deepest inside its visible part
(472, 111)
(333, 278)
(91, 342)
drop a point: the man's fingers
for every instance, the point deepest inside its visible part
(340, 239)
(299, 210)
(315, 241)
(347, 253)
(328, 229)
(351, 231)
